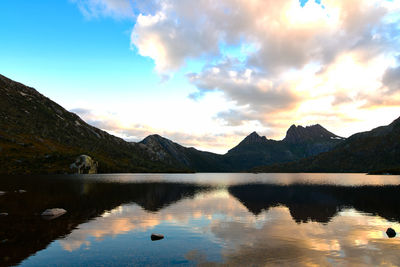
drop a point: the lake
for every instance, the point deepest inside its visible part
(207, 219)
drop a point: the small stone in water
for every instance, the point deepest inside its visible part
(155, 237)
(391, 232)
(50, 214)
(3, 214)
(2, 193)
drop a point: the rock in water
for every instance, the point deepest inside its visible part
(3, 214)
(51, 214)
(2, 193)
(155, 237)
(391, 232)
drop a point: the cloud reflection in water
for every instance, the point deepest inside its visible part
(271, 236)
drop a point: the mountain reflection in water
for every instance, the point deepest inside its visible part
(109, 221)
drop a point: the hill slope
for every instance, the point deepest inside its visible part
(172, 153)
(39, 136)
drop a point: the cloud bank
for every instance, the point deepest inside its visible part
(280, 62)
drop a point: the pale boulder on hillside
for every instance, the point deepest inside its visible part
(84, 164)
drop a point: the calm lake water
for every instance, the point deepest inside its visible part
(207, 219)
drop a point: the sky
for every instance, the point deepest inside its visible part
(207, 73)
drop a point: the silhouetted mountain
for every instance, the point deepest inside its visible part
(376, 151)
(252, 138)
(300, 142)
(39, 136)
(315, 133)
(253, 151)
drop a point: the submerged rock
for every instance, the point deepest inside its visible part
(51, 214)
(3, 214)
(155, 237)
(21, 191)
(391, 232)
(2, 193)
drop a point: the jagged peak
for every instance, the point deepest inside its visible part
(254, 134)
(252, 138)
(296, 134)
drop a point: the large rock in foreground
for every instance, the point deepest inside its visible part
(84, 165)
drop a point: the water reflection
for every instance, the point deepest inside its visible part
(349, 238)
(320, 202)
(224, 222)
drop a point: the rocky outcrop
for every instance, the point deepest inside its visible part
(315, 133)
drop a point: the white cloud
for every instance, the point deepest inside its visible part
(346, 40)
(286, 35)
(113, 8)
(275, 62)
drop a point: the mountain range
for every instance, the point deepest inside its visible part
(376, 151)
(39, 136)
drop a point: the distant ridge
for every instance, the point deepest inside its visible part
(300, 142)
(375, 151)
(313, 133)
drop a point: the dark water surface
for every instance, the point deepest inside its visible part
(207, 219)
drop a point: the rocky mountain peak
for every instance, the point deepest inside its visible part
(156, 141)
(254, 138)
(300, 134)
(152, 138)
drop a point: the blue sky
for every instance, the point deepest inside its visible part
(130, 67)
(50, 45)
